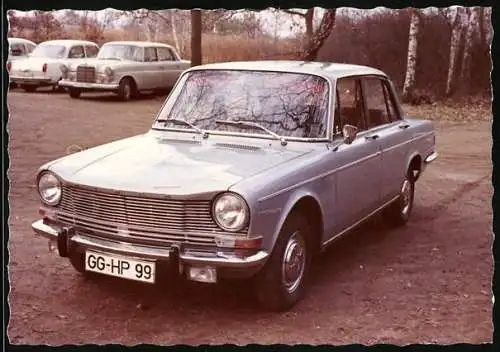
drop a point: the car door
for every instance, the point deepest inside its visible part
(151, 72)
(169, 66)
(392, 132)
(358, 163)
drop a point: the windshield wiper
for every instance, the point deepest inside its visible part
(252, 125)
(203, 133)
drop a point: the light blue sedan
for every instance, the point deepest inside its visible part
(249, 170)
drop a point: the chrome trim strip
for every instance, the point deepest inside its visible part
(343, 232)
(317, 177)
(408, 141)
(431, 157)
(87, 85)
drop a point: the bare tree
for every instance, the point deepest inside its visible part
(196, 54)
(323, 32)
(411, 61)
(308, 18)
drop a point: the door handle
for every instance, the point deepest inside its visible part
(372, 137)
(404, 126)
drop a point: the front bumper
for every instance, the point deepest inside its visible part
(90, 86)
(35, 81)
(234, 265)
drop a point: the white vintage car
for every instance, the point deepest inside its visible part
(19, 48)
(125, 68)
(43, 66)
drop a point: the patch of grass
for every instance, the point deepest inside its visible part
(474, 108)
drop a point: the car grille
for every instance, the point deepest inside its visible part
(136, 219)
(85, 74)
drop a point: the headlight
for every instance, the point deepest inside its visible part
(230, 212)
(49, 188)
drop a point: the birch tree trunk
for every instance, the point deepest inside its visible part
(456, 34)
(174, 32)
(411, 62)
(471, 26)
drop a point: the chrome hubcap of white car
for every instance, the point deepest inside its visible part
(406, 197)
(126, 91)
(294, 262)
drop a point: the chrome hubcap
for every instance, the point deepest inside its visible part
(294, 261)
(405, 197)
(126, 91)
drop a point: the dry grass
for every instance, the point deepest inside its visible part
(475, 108)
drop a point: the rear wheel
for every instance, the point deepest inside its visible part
(28, 88)
(399, 212)
(283, 280)
(75, 93)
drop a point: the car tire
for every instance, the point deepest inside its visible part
(126, 89)
(75, 93)
(28, 88)
(399, 212)
(274, 287)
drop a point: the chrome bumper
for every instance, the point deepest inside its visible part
(154, 253)
(431, 157)
(89, 86)
(31, 80)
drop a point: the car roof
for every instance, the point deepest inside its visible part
(68, 42)
(329, 69)
(139, 43)
(19, 40)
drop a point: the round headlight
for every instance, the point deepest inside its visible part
(230, 212)
(49, 188)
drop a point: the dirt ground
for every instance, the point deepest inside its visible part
(429, 282)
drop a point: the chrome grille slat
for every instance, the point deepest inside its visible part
(85, 74)
(148, 219)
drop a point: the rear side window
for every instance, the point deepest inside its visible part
(165, 54)
(17, 49)
(379, 102)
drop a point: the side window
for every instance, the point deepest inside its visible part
(29, 47)
(349, 107)
(391, 105)
(150, 54)
(376, 103)
(17, 49)
(91, 50)
(165, 54)
(76, 52)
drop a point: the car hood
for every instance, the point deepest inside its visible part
(152, 164)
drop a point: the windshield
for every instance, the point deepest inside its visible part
(120, 52)
(52, 51)
(287, 104)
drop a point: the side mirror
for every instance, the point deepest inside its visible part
(349, 132)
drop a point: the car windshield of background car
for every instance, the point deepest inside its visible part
(288, 104)
(50, 51)
(119, 52)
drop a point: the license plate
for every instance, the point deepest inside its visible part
(118, 266)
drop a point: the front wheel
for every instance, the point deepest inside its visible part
(75, 93)
(126, 89)
(282, 282)
(399, 212)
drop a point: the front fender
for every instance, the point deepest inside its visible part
(272, 214)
